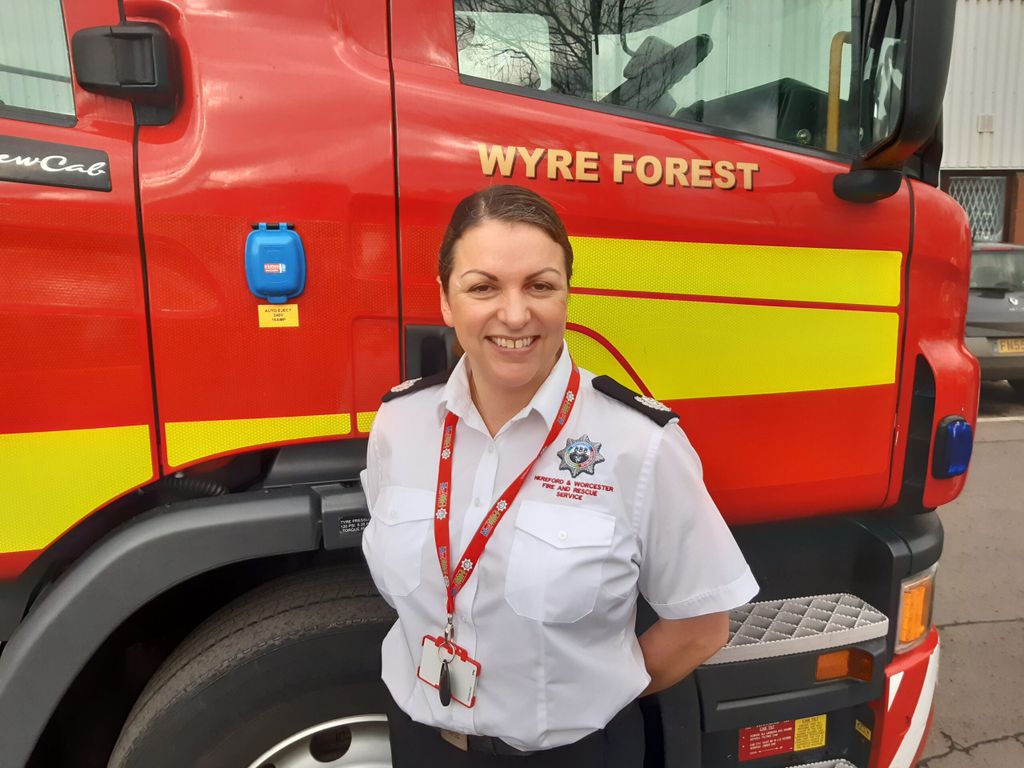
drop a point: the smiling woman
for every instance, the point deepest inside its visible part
(524, 645)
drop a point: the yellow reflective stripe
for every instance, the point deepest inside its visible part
(188, 441)
(364, 420)
(51, 480)
(689, 349)
(786, 273)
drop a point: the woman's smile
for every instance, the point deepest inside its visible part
(509, 343)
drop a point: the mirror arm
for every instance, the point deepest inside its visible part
(867, 185)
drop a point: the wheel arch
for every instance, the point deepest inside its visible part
(143, 560)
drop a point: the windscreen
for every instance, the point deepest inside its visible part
(765, 67)
(998, 270)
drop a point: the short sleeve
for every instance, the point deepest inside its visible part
(369, 478)
(691, 564)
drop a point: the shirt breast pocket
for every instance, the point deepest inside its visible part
(400, 527)
(556, 561)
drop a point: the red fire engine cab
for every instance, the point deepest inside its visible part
(220, 221)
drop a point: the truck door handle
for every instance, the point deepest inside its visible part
(132, 61)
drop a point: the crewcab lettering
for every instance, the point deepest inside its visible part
(55, 164)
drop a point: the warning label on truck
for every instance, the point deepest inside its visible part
(279, 315)
(862, 729)
(809, 733)
(766, 740)
(779, 738)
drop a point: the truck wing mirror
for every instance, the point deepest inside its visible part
(906, 48)
(132, 61)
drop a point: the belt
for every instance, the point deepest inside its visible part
(489, 745)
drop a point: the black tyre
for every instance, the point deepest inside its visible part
(289, 674)
(1018, 388)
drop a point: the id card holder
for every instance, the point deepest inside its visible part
(463, 671)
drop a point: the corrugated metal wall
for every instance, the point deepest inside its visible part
(986, 87)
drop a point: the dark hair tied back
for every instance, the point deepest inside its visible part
(503, 202)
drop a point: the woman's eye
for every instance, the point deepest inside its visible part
(543, 287)
(480, 288)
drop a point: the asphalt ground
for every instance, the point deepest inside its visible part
(979, 601)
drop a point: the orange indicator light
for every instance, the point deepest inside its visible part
(848, 662)
(915, 610)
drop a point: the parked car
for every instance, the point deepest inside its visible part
(995, 312)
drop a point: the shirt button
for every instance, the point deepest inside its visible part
(490, 449)
(563, 535)
(477, 502)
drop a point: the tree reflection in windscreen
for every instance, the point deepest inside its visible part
(557, 53)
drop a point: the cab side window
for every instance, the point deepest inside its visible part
(780, 69)
(35, 73)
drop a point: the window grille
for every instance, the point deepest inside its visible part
(984, 200)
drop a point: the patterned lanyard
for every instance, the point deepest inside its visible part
(475, 549)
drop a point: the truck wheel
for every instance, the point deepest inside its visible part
(287, 675)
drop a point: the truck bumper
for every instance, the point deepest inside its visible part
(903, 715)
(774, 712)
(881, 723)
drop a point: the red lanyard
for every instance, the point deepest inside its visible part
(475, 549)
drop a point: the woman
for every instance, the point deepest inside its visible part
(545, 499)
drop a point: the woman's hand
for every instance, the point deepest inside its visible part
(673, 648)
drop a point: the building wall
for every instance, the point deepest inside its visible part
(983, 112)
(986, 87)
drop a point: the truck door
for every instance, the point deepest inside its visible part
(76, 421)
(691, 148)
(289, 124)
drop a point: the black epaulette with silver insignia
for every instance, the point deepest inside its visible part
(653, 409)
(415, 385)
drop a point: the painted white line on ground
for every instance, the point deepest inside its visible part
(1001, 418)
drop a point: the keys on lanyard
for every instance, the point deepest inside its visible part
(454, 581)
(444, 683)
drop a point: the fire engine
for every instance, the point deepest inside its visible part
(220, 222)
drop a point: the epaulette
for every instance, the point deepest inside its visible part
(653, 409)
(415, 385)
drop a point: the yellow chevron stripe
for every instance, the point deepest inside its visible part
(51, 480)
(820, 275)
(189, 441)
(690, 349)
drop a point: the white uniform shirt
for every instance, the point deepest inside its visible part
(550, 608)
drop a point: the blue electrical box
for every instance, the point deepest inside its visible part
(275, 263)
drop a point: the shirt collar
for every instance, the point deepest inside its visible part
(546, 401)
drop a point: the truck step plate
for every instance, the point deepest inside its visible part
(830, 764)
(797, 625)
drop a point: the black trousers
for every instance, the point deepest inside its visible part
(620, 744)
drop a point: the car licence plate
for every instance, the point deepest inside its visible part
(1010, 346)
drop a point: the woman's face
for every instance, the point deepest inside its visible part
(506, 300)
